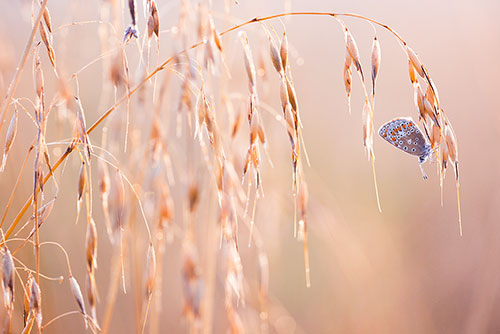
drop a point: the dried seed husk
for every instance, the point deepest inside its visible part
(46, 41)
(415, 61)
(35, 302)
(352, 48)
(77, 293)
(133, 12)
(284, 51)
(249, 65)
(348, 78)
(8, 276)
(411, 72)
(214, 34)
(43, 213)
(375, 61)
(435, 137)
(82, 181)
(92, 295)
(81, 128)
(275, 56)
(9, 138)
(91, 245)
(47, 19)
(154, 21)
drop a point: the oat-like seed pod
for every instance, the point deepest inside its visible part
(275, 56)
(92, 295)
(132, 9)
(44, 211)
(35, 301)
(82, 181)
(435, 136)
(375, 60)
(348, 78)
(411, 72)
(154, 21)
(284, 51)
(415, 61)
(45, 39)
(9, 139)
(81, 128)
(353, 52)
(249, 65)
(46, 18)
(77, 293)
(8, 271)
(214, 33)
(91, 245)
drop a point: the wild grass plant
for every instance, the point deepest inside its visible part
(173, 147)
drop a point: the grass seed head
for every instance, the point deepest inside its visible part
(154, 21)
(35, 301)
(411, 72)
(82, 181)
(352, 48)
(77, 293)
(284, 51)
(91, 245)
(47, 19)
(375, 60)
(45, 38)
(249, 65)
(275, 56)
(415, 62)
(9, 139)
(435, 136)
(8, 276)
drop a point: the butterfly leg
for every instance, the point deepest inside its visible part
(423, 172)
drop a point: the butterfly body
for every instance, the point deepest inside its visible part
(404, 134)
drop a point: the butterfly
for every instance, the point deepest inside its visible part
(404, 134)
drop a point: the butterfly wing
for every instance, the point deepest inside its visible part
(404, 134)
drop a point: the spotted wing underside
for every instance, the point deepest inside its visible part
(404, 134)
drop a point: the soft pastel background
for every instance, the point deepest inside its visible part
(405, 270)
